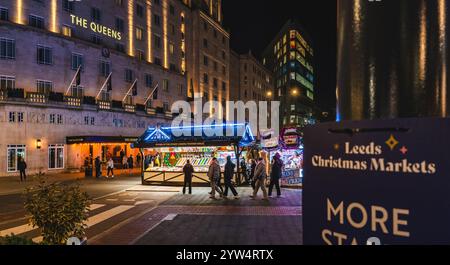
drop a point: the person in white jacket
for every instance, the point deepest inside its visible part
(110, 166)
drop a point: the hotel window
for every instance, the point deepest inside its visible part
(140, 55)
(67, 31)
(157, 20)
(139, 10)
(215, 83)
(68, 6)
(148, 80)
(158, 2)
(77, 61)
(56, 156)
(205, 26)
(129, 100)
(7, 48)
(139, 33)
(166, 106)
(166, 85)
(104, 96)
(59, 119)
(35, 21)
(205, 78)
(157, 41)
(205, 43)
(14, 153)
(105, 68)
(97, 40)
(96, 14)
(205, 60)
(129, 75)
(157, 61)
(224, 86)
(120, 25)
(119, 2)
(12, 117)
(171, 48)
(44, 87)
(215, 66)
(4, 14)
(172, 10)
(44, 55)
(52, 118)
(7, 83)
(20, 117)
(120, 47)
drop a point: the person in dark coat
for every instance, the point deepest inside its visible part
(252, 173)
(22, 166)
(228, 176)
(138, 160)
(130, 162)
(98, 167)
(275, 175)
(244, 171)
(188, 170)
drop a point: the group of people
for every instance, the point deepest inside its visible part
(257, 177)
(127, 163)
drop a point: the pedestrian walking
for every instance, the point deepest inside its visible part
(110, 166)
(228, 176)
(98, 167)
(130, 162)
(138, 160)
(214, 178)
(275, 174)
(124, 162)
(260, 177)
(22, 167)
(252, 173)
(244, 171)
(188, 170)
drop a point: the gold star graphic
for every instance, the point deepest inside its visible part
(336, 147)
(392, 142)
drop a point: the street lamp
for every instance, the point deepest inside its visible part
(269, 94)
(38, 144)
(295, 92)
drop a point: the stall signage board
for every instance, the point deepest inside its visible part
(291, 177)
(377, 182)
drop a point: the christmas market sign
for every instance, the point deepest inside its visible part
(377, 182)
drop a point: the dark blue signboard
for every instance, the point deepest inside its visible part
(384, 182)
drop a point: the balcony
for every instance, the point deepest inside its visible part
(3, 95)
(150, 111)
(104, 105)
(129, 108)
(36, 97)
(73, 101)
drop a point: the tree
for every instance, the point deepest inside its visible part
(59, 210)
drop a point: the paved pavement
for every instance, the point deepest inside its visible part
(125, 212)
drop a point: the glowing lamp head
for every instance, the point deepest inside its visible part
(38, 144)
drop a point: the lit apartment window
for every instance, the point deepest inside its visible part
(171, 48)
(15, 152)
(7, 49)
(166, 85)
(139, 10)
(44, 55)
(44, 87)
(148, 80)
(77, 61)
(157, 20)
(128, 75)
(67, 31)
(68, 6)
(35, 21)
(105, 68)
(139, 33)
(4, 14)
(96, 14)
(120, 25)
(56, 156)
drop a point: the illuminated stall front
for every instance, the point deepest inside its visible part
(165, 152)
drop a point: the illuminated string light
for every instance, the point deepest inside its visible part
(131, 27)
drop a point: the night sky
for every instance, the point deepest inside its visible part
(254, 23)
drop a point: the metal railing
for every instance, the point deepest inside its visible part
(73, 101)
(104, 105)
(129, 108)
(36, 97)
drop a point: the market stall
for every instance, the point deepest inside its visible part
(167, 149)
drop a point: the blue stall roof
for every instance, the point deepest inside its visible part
(203, 135)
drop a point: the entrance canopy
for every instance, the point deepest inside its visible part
(99, 139)
(190, 136)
